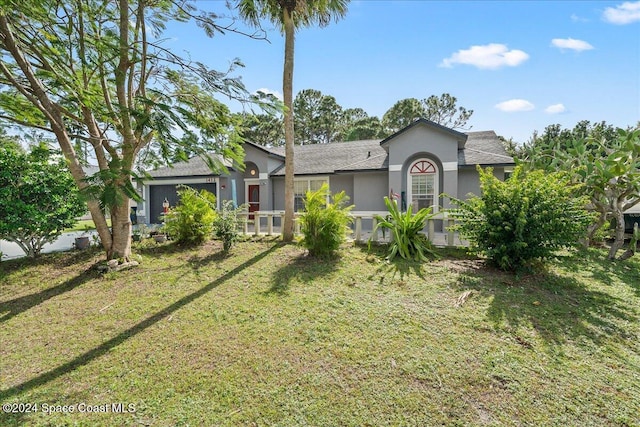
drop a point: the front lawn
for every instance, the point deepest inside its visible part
(267, 336)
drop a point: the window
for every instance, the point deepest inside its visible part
(300, 188)
(422, 181)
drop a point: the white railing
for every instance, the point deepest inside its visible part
(263, 224)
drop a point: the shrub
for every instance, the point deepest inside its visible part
(527, 217)
(226, 224)
(191, 222)
(38, 197)
(325, 221)
(407, 239)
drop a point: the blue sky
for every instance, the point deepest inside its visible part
(520, 65)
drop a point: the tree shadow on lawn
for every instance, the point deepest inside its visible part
(302, 268)
(125, 335)
(559, 308)
(12, 308)
(390, 271)
(602, 269)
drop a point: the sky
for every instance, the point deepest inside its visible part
(519, 65)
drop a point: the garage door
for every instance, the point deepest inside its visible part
(157, 194)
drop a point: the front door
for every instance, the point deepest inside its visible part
(254, 199)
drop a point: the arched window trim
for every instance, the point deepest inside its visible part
(424, 167)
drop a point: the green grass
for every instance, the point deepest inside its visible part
(268, 336)
(85, 224)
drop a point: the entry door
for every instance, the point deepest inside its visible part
(254, 199)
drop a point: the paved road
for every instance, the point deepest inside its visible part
(64, 243)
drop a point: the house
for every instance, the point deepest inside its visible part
(418, 163)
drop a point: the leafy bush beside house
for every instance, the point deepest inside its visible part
(38, 197)
(527, 217)
(191, 222)
(325, 221)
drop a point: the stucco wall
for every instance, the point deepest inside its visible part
(469, 181)
(423, 139)
(424, 142)
(369, 190)
(277, 192)
(344, 183)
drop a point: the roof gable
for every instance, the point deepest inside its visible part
(458, 136)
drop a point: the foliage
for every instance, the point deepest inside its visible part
(407, 239)
(38, 198)
(227, 223)
(604, 160)
(317, 118)
(262, 129)
(98, 76)
(527, 217)
(402, 114)
(399, 342)
(289, 16)
(325, 221)
(191, 221)
(441, 110)
(358, 125)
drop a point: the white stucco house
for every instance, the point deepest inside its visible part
(419, 163)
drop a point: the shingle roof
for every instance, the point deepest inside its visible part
(483, 148)
(336, 157)
(195, 166)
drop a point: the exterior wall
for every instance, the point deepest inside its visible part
(429, 143)
(277, 193)
(469, 181)
(158, 190)
(263, 164)
(369, 190)
(338, 183)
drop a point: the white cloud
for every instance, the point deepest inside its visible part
(576, 18)
(623, 14)
(573, 44)
(555, 109)
(514, 105)
(491, 56)
(269, 92)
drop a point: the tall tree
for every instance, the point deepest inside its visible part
(318, 118)
(262, 129)
(96, 71)
(289, 15)
(358, 125)
(443, 110)
(402, 114)
(603, 160)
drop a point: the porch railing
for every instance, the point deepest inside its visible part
(263, 224)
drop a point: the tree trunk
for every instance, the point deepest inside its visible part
(619, 237)
(287, 90)
(593, 228)
(120, 232)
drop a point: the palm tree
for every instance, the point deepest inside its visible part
(289, 15)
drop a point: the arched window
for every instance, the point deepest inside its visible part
(422, 183)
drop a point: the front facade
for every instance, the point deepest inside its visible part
(417, 165)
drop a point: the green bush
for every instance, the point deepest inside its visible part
(408, 241)
(191, 222)
(325, 221)
(527, 217)
(227, 223)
